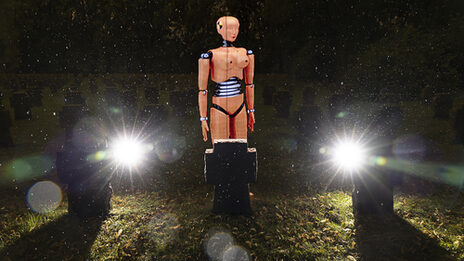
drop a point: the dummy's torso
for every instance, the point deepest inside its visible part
(228, 62)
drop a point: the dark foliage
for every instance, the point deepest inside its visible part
(369, 43)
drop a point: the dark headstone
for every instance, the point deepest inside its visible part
(230, 166)
(308, 124)
(89, 190)
(57, 85)
(373, 189)
(459, 125)
(74, 97)
(388, 97)
(268, 94)
(112, 97)
(309, 96)
(442, 104)
(69, 116)
(21, 103)
(5, 123)
(72, 112)
(129, 99)
(372, 193)
(35, 95)
(152, 95)
(282, 103)
(183, 102)
(337, 107)
(93, 85)
(153, 115)
(427, 94)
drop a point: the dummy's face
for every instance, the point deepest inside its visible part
(227, 27)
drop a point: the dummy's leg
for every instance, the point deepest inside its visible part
(219, 125)
(239, 125)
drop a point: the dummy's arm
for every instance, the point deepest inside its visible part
(203, 74)
(250, 89)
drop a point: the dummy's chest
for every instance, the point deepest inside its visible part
(230, 58)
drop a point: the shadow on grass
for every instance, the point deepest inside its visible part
(393, 238)
(66, 238)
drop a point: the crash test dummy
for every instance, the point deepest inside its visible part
(230, 113)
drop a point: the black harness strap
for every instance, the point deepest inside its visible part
(219, 108)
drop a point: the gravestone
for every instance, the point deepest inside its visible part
(427, 94)
(93, 85)
(459, 125)
(183, 102)
(74, 97)
(152, 95)
(153, 115)
(268, 94)
(72, 112)
(129, 105)
(89, 190)
(230, 166)
(442, 104)
(373, 188)
(57, 85)
(372, 193)
(20, 101)
(129, 99)
(308, 124)
(35, 95)
(337, 107)
(5, 123)
(282, 103)
(112, 97)
(388, 97)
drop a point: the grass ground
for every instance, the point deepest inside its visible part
(165, 213)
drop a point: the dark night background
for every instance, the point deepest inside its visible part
(368, 43)
(321, 66)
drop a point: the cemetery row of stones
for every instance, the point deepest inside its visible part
(309, 114)
(129, 92)
(142, 95)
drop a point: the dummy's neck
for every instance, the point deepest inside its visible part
(227, 44)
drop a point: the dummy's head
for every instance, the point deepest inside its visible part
(227, 27)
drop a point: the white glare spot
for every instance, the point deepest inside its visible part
(349, 155)
(218, 244)
(236, 253)
(128, 152)
(44, 197)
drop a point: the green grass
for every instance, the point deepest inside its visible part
(311, 226)
(438, 216)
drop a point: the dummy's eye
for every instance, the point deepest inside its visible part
(219, 25)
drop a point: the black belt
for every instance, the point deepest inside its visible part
(219, 108)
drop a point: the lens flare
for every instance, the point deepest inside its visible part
(97, 156)
(380, 161)
(170, 148)
(163, 229)
(349, 155)
(128, 151)
(218, 244)
(236, 253)
(44, 197)
(29, 167)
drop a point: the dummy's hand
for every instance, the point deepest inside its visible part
(251, 121)
(204, 130)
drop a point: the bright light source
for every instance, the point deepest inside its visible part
(349, 155)
(128, 152)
